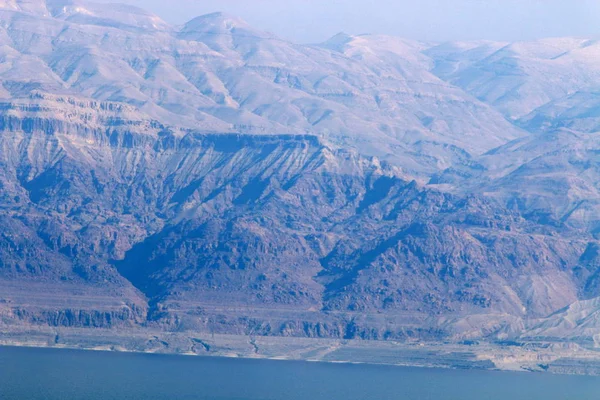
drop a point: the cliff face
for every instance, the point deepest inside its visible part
(120, 222)
(215, 178)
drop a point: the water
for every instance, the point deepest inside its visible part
(68, 375)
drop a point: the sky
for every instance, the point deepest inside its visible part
(308, 21)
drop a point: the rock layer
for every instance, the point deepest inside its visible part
(214, 178)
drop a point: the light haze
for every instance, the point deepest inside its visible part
(436, 20)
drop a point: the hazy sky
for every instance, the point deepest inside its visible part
(316, 20)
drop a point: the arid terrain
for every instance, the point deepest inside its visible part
(212, 188)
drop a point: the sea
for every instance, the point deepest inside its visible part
(49, 374)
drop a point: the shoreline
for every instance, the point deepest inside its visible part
(259, 358)
(530, 357)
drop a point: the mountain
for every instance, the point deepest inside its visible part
(218, 74)
(549, 88)
(313, 239)
(215, 179)
(551, 178)
(520, 78)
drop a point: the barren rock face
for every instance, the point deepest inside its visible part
(218, 179)
(276, 235)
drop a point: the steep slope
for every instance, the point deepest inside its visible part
(549, 87)
(547, 83)
(577, 322)
(218, 74)
(579, 111)
(270, 235)
(551, 178)
(51, 272)
(215, 178)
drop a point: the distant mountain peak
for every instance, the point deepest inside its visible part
(89, 13)
(218, 21)
(220, 30)
(338, 41)
(29, 6)
(118, 15)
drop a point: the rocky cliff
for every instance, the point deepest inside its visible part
(120, 221)
(214, 178)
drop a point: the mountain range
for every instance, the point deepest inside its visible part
(212, 177)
